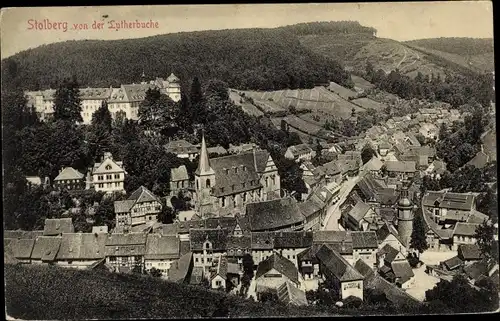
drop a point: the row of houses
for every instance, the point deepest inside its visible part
(125, 99)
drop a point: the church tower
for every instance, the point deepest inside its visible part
(204, 180)
(405, 217)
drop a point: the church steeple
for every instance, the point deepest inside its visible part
(204, 164)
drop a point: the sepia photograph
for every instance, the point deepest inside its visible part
(249, 160)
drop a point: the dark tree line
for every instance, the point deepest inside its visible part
(456, 90)
(259, 59)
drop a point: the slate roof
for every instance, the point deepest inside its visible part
(238, 173)
(402, 270)
(180, 269)
(364, 240)
(116, 166)
(263, 240)
(373, 164)
(362, 267)
(336, 265)
(142, 194)
(243, 242)
(477, 217)
(181, 147)
(21, 248)
(359, 211)
(385, 230)
(81, 246)
(401, 166)
(57, 226)
(476, 269)
(453, 263)
(184, 247)
(126, 244)
(320, 237)
(222, 222)
(218, 238)
(46, 248)
(273, 214)
(137, 92)
(469, 252)
(123, 206)
(458, 201)
(309, 254)
(390, 253)
(162, 247)
(290, 294)
(280, 264)
(20, 234)
(293, 239)
(179, 174)
(95, 93)
(465, 229)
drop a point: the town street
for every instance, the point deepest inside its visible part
(333, 212)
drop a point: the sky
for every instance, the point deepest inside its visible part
(398, 21)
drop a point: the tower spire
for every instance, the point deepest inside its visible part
(204, 164)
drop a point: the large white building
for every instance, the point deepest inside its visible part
(126, 98)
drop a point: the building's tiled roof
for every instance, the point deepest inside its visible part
(218, 238)
(57, 226)
(123, 206)
(477, 217)
(95, 93)
(179, 270)
(179, 174)
(291, 295)
(320, 237)
(309, 254)
(126, 244)
(242, 242)
(137, 92)
(335, 264)
(402, 270)
(458, 201)
(280, 264)
(386, 230)
(263, 240)
(220, 222)
(20, 248)
(273, 214)
(362, 267)
(184, 247)
(477, 269)
(46, 248)
(373, 164)
(292, 239)
(401, 166)
(181, 147)
(453, 263)
(237, 173)
(142, 194)
(161, 247)
(364, 240)
(20, 234)
(390, 253)
(359, 211)
(217, 150)
(116, 166)
(81, 246)
(465, 229)
(392, 292)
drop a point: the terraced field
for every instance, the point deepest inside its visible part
(246, 106)
(315, 99)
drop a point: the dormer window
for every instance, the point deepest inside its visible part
(236, 170)
(243, 184)
(108, 167)
(227, 170)
(222, 189)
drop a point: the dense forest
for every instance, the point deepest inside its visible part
(459, 46)
(259, 59)
(330, 27)
(456, 90)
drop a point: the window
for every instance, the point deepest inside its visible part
(207, 245)
(208, 182)
(236, 170)
(202, 260)
(117, 176)
(222, 189)
(196, 260)
(112, 259)
(267, 182)
(217, 283)
(100, 177)
(109, 176)
(223, 201)
(108, 167)
(243, 184)
(232, 187)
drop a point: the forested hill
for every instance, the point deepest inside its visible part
(261, 59)
(459, 46)
(330, 27)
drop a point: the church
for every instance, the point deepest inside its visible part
(224, 185)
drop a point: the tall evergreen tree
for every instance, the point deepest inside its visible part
(67, 103)
(418, 239)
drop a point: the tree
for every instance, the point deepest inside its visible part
(167, 215)
(67, 103)
(367, 153)
(99, 136)
(248, 272)
(484, 236)
(418, 240)
(105, 213)
(154, 272)
(181, 202)
(421, 139)
(487, 203)
(157, 112)
(269, 297)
